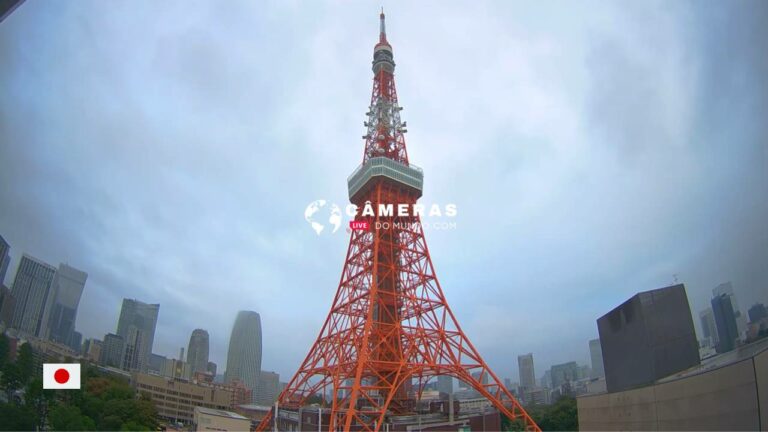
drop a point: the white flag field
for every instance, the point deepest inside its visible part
(61, 376)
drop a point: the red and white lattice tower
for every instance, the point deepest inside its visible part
(390, 329)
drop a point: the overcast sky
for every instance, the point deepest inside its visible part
(169, 150)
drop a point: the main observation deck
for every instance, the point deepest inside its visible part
(408, 175)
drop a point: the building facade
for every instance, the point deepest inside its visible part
(244, 354)
(136, 326)
(648, 337)
(31, 288)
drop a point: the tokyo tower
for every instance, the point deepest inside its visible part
(390, 329)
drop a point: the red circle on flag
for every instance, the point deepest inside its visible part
(61, 376)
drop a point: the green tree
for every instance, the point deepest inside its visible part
(16, 417)
(5, 349)
(69, 418)
(11, 379)
(25, 362)
(39, 400)
(561, 416)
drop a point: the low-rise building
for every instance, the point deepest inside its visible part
(206, 419)
(176, 399)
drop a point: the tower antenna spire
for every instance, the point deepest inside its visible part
(382, 27)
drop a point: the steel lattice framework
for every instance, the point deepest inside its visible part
(390, 329)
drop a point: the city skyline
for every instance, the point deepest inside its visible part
(136, 242)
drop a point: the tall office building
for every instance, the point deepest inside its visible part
(596, 357)
(244, 354)
(137, 327)
(197, 352)
(445, 384)
(526, 371)
(5, 258)
(725, 321)
(61, 308)
(648, 337)
(708, 328)
(268, 388)
(740, 318)
(31, 288)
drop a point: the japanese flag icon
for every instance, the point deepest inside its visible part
(61, 376)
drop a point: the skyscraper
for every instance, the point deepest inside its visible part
(61, 308)
(137, 327)
(31, 288)
(525, 368)
(740, 318)
(725, 320)
(197, 353)
(244, 354)
(596, 356)
(5, 258)
(708, 327)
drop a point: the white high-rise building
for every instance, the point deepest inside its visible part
(244, 354)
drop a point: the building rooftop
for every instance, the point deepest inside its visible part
(743, 352)
(220, 413)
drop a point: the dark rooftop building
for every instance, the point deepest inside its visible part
(648, 337)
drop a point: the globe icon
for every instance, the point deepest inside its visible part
(320, 213)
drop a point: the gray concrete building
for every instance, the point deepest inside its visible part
(31, 288)
(724, 393)
(648, 337)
